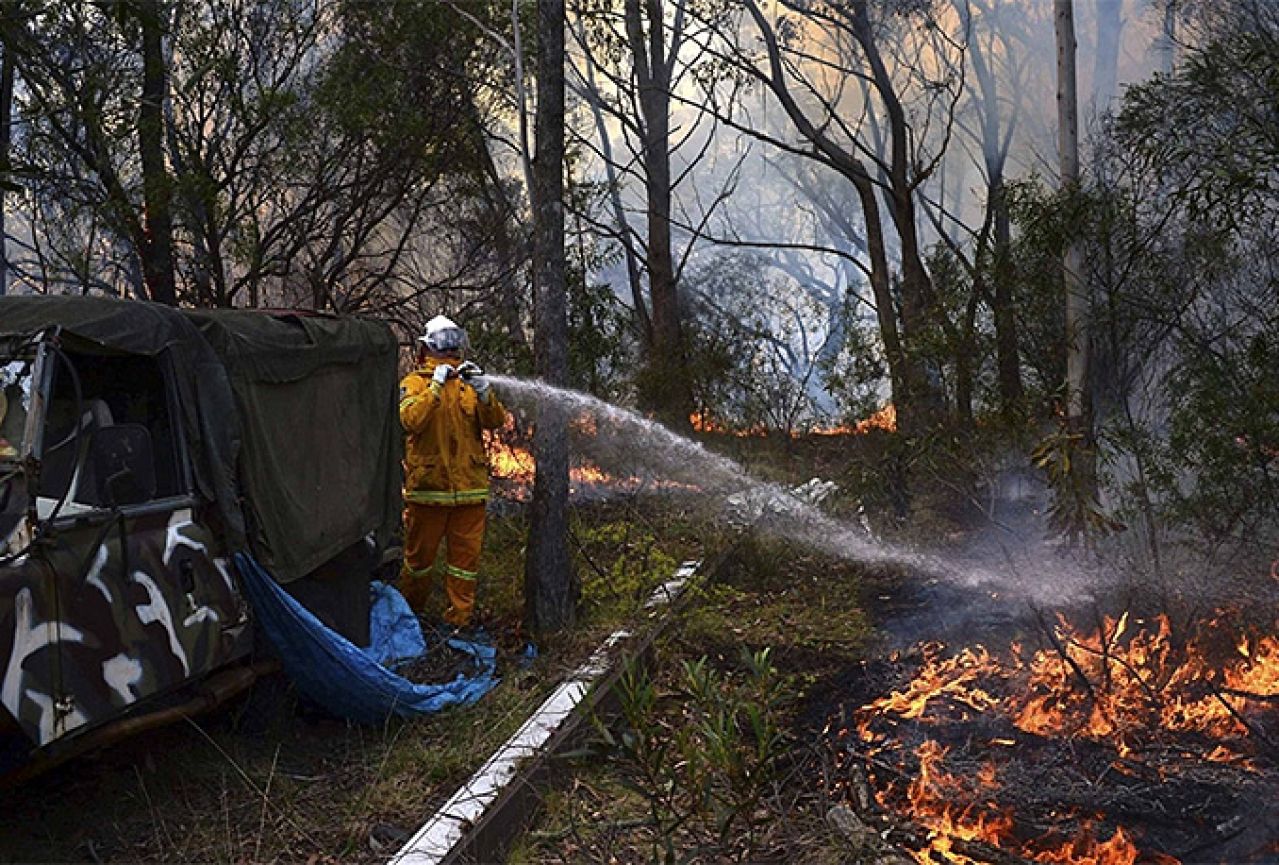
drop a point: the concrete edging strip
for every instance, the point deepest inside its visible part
(443, 832)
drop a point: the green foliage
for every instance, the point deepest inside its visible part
(599, 328)
(620, 563)
(704, 768)
(1182, 250)
(1068, 463)
(758, 348)
(854, 373)
(1226, 427)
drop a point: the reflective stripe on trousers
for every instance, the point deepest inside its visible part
(461, 528)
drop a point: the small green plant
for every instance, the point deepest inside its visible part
(1068, 463)
(704, 769)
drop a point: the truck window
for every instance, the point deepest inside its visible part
(115, 390)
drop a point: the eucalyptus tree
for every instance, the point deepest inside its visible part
(550, 587)
(1076, 294)
(1195, 154)
(286, 147)
(311, 164)
(869, 91)
(995, 127)
(6, 140)
(632, 58)
(94, 84)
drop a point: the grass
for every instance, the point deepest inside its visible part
(268, 779)
(769, 594)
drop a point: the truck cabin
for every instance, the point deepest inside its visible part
(109, 436)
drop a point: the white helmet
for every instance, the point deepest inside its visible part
(443, 336)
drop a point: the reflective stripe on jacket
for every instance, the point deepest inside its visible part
(444, 458)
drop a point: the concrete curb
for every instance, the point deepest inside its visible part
(480, 819)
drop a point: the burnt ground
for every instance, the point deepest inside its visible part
(1062, 792)
(1163, 788)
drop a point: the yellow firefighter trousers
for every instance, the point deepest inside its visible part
(461, 527)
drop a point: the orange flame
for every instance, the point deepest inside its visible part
(932, 794)
(1142, 684)
(704, 423)
(885, 419)
(513, 465)
(1087, 850)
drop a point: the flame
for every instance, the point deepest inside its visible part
(704, 423)
(1144, 686)
(512, 463)
(885, 419)
(932, 794)
(1086, 850)
(516, 465)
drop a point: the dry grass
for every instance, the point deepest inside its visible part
(268, 778)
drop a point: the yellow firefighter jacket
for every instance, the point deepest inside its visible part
(444, 458)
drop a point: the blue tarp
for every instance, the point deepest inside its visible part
(345, 679)
(395, 635)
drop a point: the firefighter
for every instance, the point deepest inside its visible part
(445, 404)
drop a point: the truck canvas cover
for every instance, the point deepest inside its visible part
(289, 417)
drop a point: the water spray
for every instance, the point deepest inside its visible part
(622, 442)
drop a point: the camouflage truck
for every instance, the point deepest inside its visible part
(142, 446)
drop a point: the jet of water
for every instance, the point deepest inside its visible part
(625, 443)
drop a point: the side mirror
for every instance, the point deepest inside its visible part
(122, 465)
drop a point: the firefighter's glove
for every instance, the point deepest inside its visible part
(476, 378)
(442, 373)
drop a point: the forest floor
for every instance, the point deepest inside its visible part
(269, 778)
(777, 626)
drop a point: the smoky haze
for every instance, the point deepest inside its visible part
(1011, 565)
(789, 231)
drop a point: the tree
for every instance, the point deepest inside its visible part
(6, 140)
(1076, 336)
(157, 191)
(284, 145)
(550, 586)
(993, 132)
(851, 44)
(634, 55)
(122, 60)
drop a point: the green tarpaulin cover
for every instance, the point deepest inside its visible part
(290, 418)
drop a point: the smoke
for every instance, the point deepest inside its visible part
(627, 445)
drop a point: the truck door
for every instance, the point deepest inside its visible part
(146, 595)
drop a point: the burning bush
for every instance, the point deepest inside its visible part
(1121, 744)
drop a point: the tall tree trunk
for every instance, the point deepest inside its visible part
(994, 154)
(6, 164)
(885, 308)
(666, 389)
(550, 588)
(925, 404)
(1166, 43)
(157, 192)
(634, 277)
(1078, 419)
(1007, 352)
